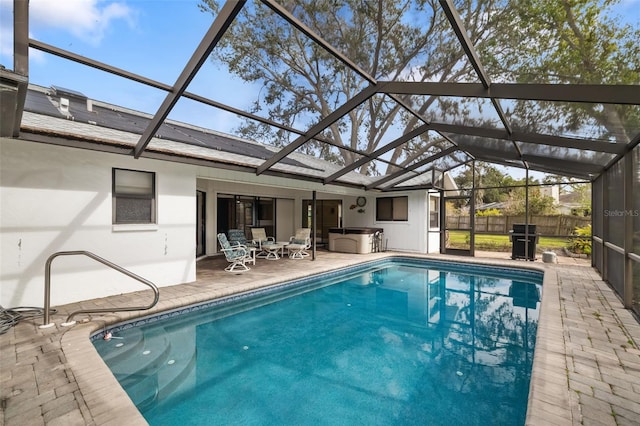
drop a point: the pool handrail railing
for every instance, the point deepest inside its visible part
(47, 288)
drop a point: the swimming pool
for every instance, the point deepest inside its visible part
(393, 342)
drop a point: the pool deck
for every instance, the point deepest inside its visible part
(586, 364)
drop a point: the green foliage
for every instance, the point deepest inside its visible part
(581, 243)
(490, 181)
(584, 198)
(538, 204)
(568, 41)
(489, 212)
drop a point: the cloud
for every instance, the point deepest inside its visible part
(89, 20)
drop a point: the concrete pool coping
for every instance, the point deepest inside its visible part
(586, 364)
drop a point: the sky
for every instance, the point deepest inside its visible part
(152, 38)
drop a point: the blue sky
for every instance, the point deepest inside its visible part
(152, 38)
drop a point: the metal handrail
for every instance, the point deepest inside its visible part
(47, 287)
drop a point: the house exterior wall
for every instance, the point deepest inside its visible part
(410, 235)
(552, 191)
(55, 198)
(285, 219)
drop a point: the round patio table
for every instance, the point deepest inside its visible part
(272, 251)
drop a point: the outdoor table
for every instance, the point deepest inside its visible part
(252, 253)
(272, 250)
(284, 245)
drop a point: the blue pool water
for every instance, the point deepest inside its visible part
(394, 343)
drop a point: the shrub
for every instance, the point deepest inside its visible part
(489, 212)
(581, 242)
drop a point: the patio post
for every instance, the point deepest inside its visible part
(472, 211)
(526, 214)
(313, 225)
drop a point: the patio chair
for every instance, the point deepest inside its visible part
(237, 237)
(259, 236)
(299, 243)
(237, 255)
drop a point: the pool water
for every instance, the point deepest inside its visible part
(394, 344)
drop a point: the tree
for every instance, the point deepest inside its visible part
(568, 41)
(581, 192)
(388, 40)
(492, 184)
(538, 204)
(563, 41)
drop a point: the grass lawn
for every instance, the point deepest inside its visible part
(491, 242)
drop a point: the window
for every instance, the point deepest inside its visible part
(134, 197)
(434, 212)
(392, 208)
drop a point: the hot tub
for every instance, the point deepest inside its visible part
(355, 240)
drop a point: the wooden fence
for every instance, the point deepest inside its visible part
(559, 225)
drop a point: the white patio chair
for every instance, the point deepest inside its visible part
(259, 238)
(299, 243)
(236, 255)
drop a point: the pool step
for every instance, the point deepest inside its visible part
(149, 366)
(178, 373)
(120, 346)
(145, 359)
(142, 389)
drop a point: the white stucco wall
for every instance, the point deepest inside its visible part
(56, 198)
(59, 199)
(409, 236)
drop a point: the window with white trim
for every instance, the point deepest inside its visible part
(134, 197)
